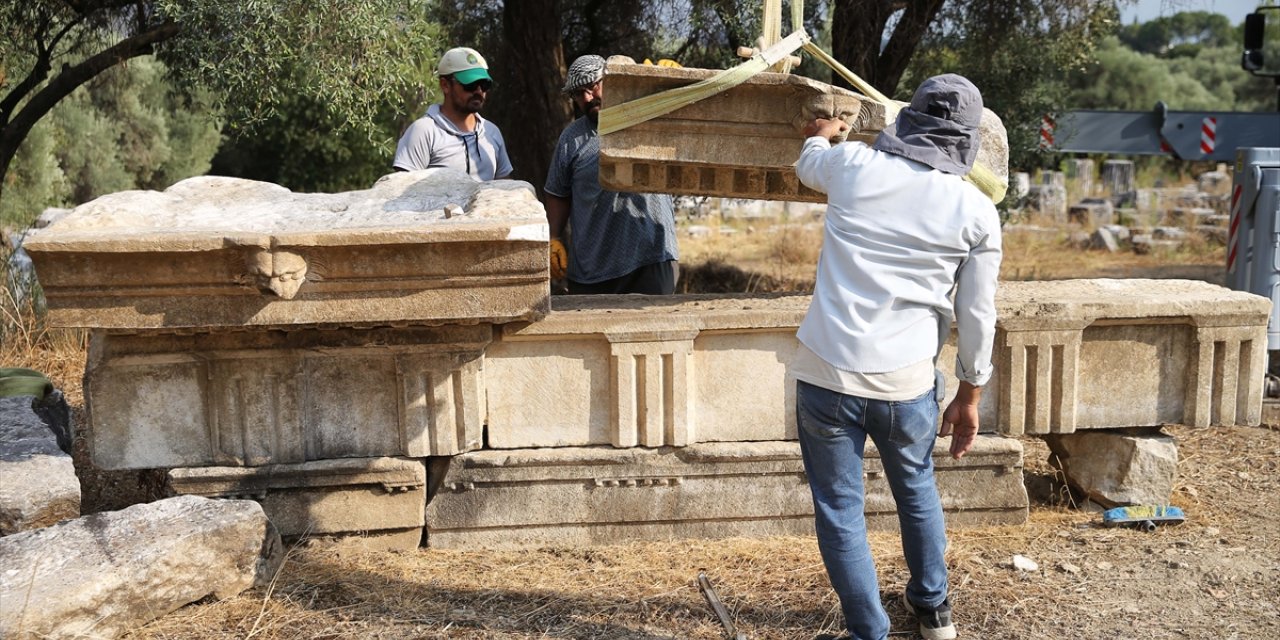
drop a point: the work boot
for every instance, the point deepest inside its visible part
(935, 624)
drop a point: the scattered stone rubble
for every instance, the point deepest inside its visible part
(39, 485)
(396, 389)
(102, 575)
(1161, 219)
(1118, 467)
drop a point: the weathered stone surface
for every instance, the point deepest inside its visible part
(102, 575)
(1188, 352)
(1091, 212)
(1169, 233)
(38, 484)
(378, 499)
(1217, 182)
(1082, 170)
(275, 397)
(626, 369)
(1053, 179)
(1144, 243)
(1118, 177)
(533, 497)
(1191, 215)
(1050, 200)
(1116, 468)
(1104, 239)
(214, 252)
(744, 142)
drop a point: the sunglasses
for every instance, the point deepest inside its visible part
(478, 85)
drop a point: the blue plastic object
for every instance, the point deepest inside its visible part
(1145, 517)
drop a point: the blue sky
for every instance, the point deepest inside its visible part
(1235, 10)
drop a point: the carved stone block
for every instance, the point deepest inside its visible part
(213, 252)
(272, 397)
(1081, 354)
(743, 142)
(379, 499)
(600, 495)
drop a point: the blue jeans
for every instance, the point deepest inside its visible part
(833, 430)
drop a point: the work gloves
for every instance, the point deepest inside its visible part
(559, 259)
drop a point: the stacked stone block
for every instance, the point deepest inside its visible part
(487, 419)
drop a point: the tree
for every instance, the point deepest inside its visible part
(128, 128)
(531, 31)
(857, 30)
(1019, 53)
(349, 54)
(1180, 34)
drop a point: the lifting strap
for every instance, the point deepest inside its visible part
(774, 53)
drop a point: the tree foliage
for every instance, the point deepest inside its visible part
(128, 128)
(1018, 52)
(1181, 34)
(1211, 80)
(349, 55)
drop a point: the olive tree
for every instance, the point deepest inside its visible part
(347, 54)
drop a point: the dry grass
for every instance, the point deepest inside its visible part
(750, 256)
(1212, 577)
(27, 341)
(762, 256)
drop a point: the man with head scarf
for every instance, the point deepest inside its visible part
(621, 242)
(452, 134)
(903, 232)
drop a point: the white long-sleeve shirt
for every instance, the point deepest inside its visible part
(899, 238)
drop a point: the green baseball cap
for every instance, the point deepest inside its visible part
(465, 64)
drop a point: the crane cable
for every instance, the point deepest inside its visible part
(775, 53)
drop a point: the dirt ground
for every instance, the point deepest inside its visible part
(1215, 576)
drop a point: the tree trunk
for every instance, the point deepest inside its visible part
(536, 110)
(903, 43)
(857, 27)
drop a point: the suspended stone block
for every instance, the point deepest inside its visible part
(254, 398)
(600, 495)
(431, 246)
(379, 502)
(743, 142)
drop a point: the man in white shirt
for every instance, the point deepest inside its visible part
(903, 232)
(452, 134)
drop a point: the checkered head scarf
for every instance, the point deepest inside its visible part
(584, 72)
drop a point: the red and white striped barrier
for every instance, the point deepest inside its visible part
(1208, 134)
(1233, 238)
(1046, 132)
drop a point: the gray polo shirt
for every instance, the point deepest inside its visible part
(614, 233)
(434, 141)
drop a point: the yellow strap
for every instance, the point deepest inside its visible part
(628, 114)
(983, 178)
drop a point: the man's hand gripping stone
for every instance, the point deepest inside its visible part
(825, 128)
